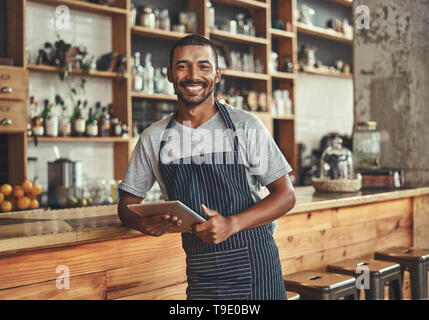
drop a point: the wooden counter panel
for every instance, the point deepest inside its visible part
(421, 225)
(176, 292)
(148, 276)
(40, 265)
(87, 287)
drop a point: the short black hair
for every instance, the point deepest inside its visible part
(193, 40)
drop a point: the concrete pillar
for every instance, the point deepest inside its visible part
(391, 68)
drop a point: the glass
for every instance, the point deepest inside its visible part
(366, 145)
(336, 161)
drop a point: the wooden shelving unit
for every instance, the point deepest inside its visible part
(157, 33)
(327, 73)
(240, 38)
(87, 6)
(121, 43)
(281, 34)
(78, 139)
(252, 4)
(91, 73)
(323, 33)
(155, 96)
(245, 75)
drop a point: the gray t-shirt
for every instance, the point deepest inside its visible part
(260, 155)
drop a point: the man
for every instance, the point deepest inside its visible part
(213, 158)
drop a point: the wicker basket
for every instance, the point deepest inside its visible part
(339, 185)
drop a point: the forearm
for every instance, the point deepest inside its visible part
(127, 217)
(272, 207)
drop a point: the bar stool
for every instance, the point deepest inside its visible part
(312, 285)
(416, 261)
(380, 273)
(293, 295)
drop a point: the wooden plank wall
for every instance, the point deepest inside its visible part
(140, 267)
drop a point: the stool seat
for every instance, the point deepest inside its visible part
(375, 267)
(292, 295)
(380, 273)
(416, 261)
(403, 254)
(321, 285)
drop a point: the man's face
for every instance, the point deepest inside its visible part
(194, 74)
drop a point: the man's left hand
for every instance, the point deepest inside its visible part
(215, 230)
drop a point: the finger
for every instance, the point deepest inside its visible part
(201, 226)
(209, 212)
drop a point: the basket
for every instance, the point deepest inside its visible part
(338, 185)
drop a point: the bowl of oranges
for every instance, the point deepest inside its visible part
(20, 197)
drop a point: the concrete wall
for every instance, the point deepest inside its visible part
(391, 82)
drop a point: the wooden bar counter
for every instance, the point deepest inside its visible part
(105, 260)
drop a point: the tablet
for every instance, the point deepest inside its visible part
(177, 208)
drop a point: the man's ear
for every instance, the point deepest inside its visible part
(218, 75)
(169, 75)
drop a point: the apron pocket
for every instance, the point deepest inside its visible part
(220, 275)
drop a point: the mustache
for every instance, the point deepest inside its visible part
(186, 82)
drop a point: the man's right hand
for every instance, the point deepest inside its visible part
(154, 226)
(158, 225)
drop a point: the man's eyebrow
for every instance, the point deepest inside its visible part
(205, 61)
(181, 61)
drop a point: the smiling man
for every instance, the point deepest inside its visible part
(233, 254)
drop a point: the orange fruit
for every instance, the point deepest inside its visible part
(18, 192)
(6, 189)
(34, 204)
(6, 206)
(23, 203)
(37, 189)
(1, 197)
(27, 186)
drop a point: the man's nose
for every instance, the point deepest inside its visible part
(193, 73)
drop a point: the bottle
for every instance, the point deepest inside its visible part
(45, 114)
(37, 122)
(164, 18)
(91, 125)
(51, 123)
(168, 86)
(65, 124)
(104, 123)
(31, 114)
(115, 125)
(97, 112)
(149, 74)
(79, 121)
(158, 81)
(137, 73)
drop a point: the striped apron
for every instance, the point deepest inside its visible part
(247, 264)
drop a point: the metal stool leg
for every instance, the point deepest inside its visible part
(419, 280)
(395, 290)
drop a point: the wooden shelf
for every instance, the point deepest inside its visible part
(283, 75)
(253, 4)
(155, 96)
(240, 38)
(323, 33)
(327, 73)
(245, 75)
(79, 139)
(157, 33)
(284, 117)
(92, 73)
(84, 6)
(347, 3)
(281, 34)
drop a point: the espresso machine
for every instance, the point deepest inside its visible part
(65, 180)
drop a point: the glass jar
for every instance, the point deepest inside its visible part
(366, 145)
(336, 161)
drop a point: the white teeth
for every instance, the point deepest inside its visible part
(194, 88)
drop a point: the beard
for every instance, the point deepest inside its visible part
(193, 103)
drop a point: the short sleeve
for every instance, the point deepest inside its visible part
(265, 159)
(139, 177)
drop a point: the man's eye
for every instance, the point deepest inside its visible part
(205, 67)
(181, 67)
